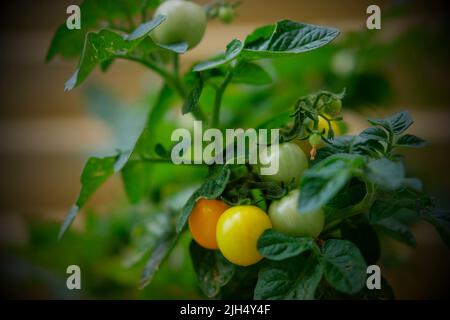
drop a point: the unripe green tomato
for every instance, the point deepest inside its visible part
(287, 219)
(292, 162)
(315, 139)
(226, 14)
(334, 107)
(185, 22)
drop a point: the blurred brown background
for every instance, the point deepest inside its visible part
(45, 133)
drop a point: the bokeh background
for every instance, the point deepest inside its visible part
(46, 135)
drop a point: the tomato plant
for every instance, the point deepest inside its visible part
(354, 184)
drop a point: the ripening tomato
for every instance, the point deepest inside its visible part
(237, 232)
(315, 139)
(203, 221)
(292, 162)
(185, 22)
(287, 219)
(323, 124)
(226, 14)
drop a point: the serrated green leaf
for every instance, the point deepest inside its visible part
(286, 38)
(386, 174)
(95, 172)
(210, 189)
(344, 266)
(106, 44)
(411, 141)
(322, 182)
(396, 230)
(294, 278)
(277, 246)
(395, 124)
(212, 269)
(251, 73)
(374, 133)
(69, 43)
(234, 48)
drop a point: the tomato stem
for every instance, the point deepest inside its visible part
(218, 99)
(348, 212)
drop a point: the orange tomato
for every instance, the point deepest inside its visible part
(203, 221)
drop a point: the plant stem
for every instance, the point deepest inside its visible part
(219, 95)
(176, 65)
(354, 210)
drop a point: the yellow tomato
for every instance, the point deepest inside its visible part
(203, 221)
(237, 233)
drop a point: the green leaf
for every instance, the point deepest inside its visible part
(409, 140)
(374, 133)
(145, 145)
(286, 38)
(137, 179)
(95, 172)
(395, 203)
(191, 102)
(277, 246)
(386, 174)
(179, 48)
(396, 230)
(234, 48)
(94, 13)
(323, 181)
(106, 44)
(363, 235)
(159, 253)
(67, 43)
(251, 73)
(210, 189)
(441, 221)
(294, 278)
(395, 124)
(212, 269)
(344, 266)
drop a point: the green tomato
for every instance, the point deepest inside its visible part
(226, 14)
(334, 107)
(287, 219)
(292, 162)
(315, 139)
(185, 22)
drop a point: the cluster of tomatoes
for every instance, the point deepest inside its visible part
(235, 230)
